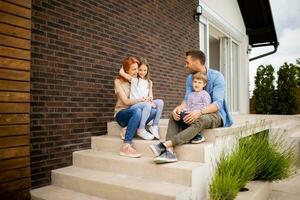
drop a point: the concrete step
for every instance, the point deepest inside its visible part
(115, 186)
(187, 152)
(258, 190)
(294, 132)
(113, 162)
(244, 123)
(290, 185)
(286, 123)
(275, 195)
(57, 193)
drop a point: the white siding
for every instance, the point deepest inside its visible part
(229, 12)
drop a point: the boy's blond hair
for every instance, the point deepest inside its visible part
(200, 76)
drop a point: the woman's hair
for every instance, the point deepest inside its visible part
(127, 62)
(143, 61)
(200, 76)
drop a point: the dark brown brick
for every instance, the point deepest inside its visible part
(77, 50)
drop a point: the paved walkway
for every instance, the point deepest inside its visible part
(288, 189)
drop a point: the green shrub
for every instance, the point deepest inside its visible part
(257, 157)
(232, 173)
(276, 158)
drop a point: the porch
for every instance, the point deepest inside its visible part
(100, 173)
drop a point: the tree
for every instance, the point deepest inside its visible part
(264, 97)
(286, 89)
(298, 73)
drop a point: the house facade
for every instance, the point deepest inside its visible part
(222, 36)
(73, 54)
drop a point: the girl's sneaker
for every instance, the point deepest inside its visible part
(128, 151)
(155, 131)
(145, 134)
(122, 134)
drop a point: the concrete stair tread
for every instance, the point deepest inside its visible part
(52, 192)
(257, 190)
(291, 185)
(276, 195)
(240, 123)
(113, 162)
(185, 165)
(72, 176)
(113, 143)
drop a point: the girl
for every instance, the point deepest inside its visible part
(141, 88)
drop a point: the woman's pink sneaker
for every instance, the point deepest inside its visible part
(128, 151)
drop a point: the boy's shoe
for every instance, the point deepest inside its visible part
(145, 134)
(128, 151)
(122, 134)
(155, 131)
(166, 157)
(158, 149)
(198, 139)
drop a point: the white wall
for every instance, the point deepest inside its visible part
(229, 12)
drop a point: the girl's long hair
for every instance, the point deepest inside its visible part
(127, 62)
(143, 61)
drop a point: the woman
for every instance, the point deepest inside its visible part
(126, 115)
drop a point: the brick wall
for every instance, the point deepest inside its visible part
(77, 49)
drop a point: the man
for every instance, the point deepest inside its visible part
(214, 115)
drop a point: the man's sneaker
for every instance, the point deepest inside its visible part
(158, 149)
(155, 131)
(198, 139)
(145, 134)
(128, 151)
(166, 157)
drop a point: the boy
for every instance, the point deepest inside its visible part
(197, 100)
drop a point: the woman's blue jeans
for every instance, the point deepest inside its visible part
(131, 118)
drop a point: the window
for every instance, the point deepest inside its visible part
(222, 54)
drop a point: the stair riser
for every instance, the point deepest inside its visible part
(184, 152)
(108, 191)
(154, 172)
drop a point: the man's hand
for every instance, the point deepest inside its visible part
(190, 117)
(175, 113)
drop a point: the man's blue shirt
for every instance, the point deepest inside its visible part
(216, 89)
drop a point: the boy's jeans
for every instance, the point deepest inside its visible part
(179, 136)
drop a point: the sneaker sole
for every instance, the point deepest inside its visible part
(153, 149)
(130, 155)
(162, 161)
(146, 138)
(198, 141)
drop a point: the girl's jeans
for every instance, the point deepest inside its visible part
(131, 118)
(146, 111)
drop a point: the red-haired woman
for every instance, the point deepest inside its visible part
(126, 115)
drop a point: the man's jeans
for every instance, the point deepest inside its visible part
(131, 118)
(178, 136)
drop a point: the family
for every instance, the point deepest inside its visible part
(203, 107)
